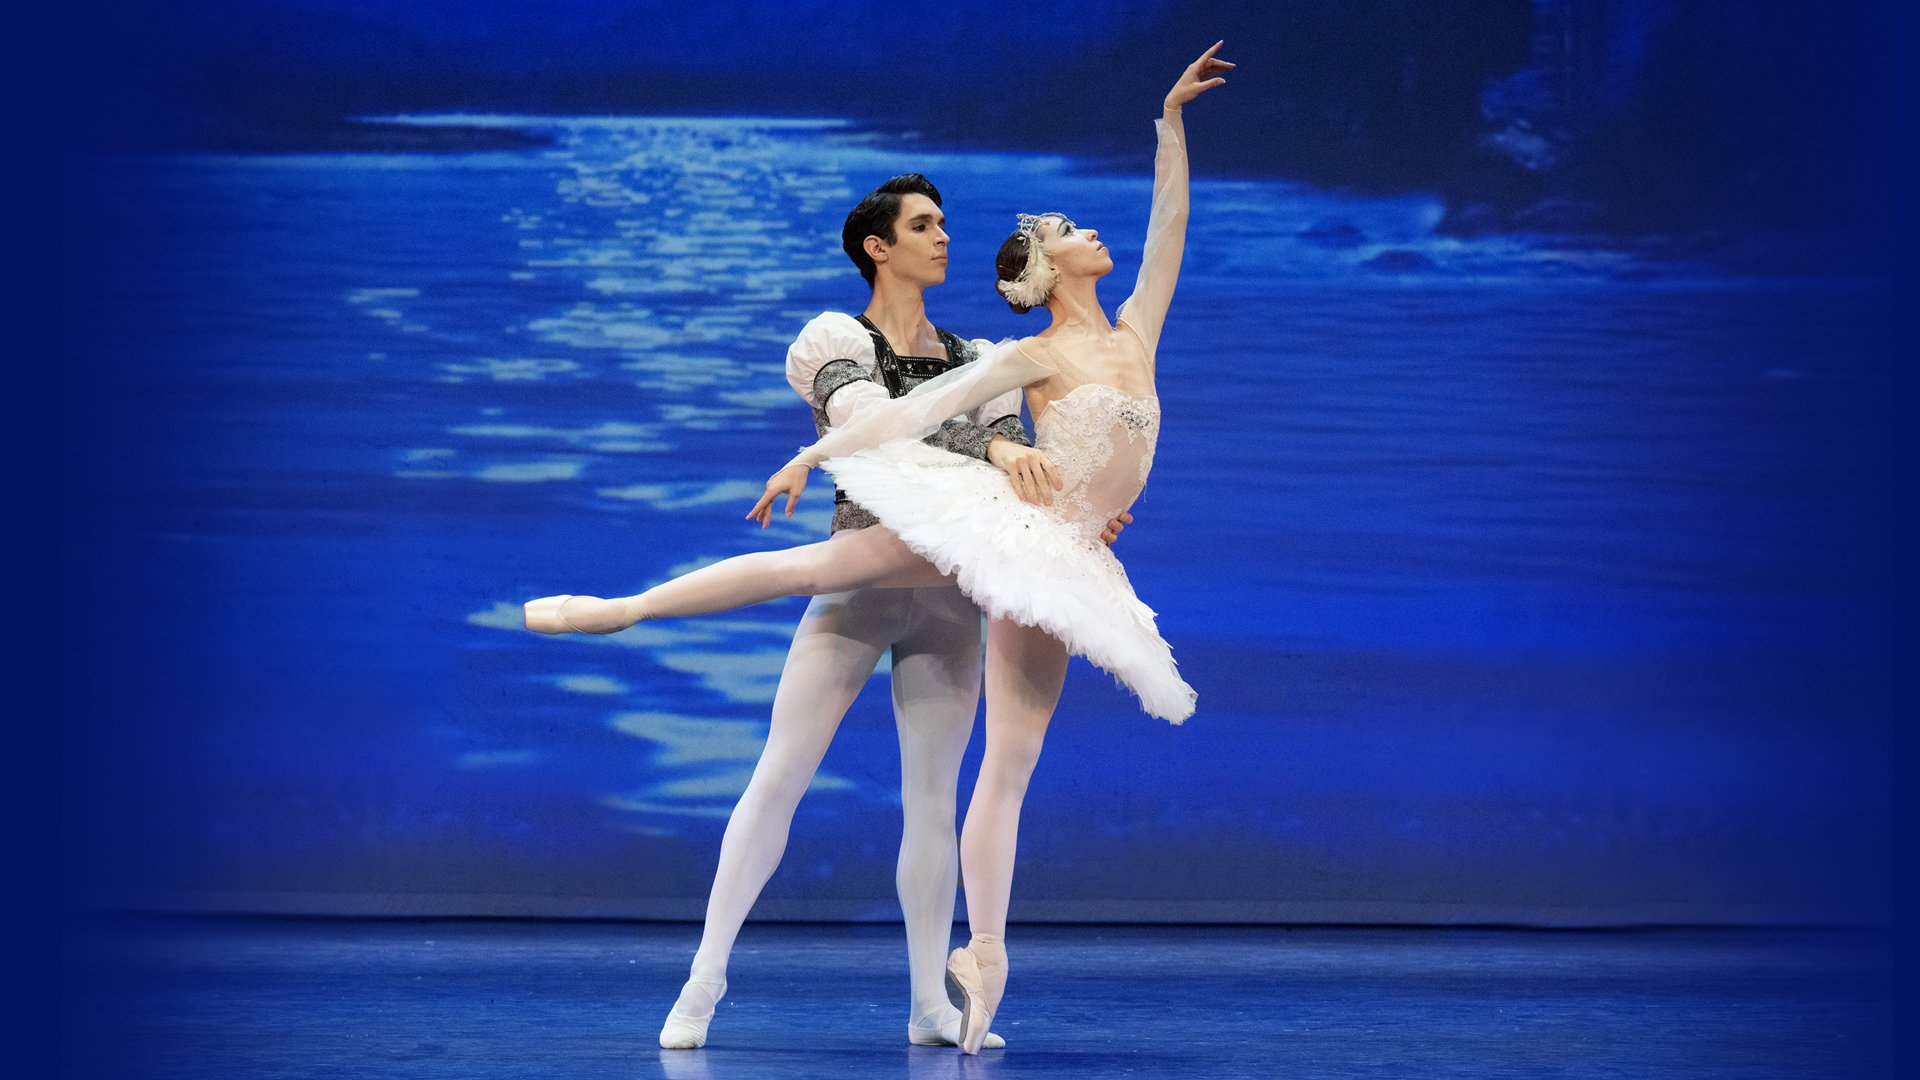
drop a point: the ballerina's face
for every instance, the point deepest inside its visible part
(1074, 251)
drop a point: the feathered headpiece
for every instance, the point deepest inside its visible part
(1036, 280)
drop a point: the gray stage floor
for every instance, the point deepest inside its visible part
(266, 999)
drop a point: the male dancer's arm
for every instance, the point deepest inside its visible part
(980, 389)
(830, 366)
(913, 416)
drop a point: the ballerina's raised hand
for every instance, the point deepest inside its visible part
(1201, 76)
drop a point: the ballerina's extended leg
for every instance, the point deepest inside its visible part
(850, 559)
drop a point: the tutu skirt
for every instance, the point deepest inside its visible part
(1019, 561)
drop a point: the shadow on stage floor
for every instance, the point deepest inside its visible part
(473, 999)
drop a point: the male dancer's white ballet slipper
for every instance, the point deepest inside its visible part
(934, 1031)
(684, 1031)
(587, 615)
(981, 986)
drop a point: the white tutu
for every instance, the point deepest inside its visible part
(1018, 561)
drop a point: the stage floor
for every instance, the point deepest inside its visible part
(258, 999)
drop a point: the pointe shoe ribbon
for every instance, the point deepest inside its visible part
(547, 615)
(980, 990)
(683, 1031)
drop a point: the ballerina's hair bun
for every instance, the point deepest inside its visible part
(1026, 274)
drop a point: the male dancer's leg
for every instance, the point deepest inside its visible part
(833, 654)
(1026, 667)
(936, 690)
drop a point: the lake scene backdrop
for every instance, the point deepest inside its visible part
(1531, 558)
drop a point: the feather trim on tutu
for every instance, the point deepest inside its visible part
(1018, 561)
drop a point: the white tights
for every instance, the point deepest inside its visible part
(934, 633)
(902, 602)
(849, 559)
(1026, 667)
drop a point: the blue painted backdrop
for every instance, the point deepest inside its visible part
(1521, 514)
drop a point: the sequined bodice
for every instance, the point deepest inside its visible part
(1102, 440)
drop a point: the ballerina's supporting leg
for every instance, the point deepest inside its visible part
(850, 559)
(1026, 667)
(834, 651)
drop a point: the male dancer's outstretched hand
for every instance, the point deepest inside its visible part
(1201, 76)
(790, 481)
(1114, 526)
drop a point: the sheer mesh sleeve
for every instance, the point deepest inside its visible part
(849, 395)
(1146, 309)
(1003, 369)
(1000, 416)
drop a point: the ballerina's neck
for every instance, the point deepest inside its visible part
(1117, 360)
(1074, 302)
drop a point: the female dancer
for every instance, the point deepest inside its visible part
(1041, 573)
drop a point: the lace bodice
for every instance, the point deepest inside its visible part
(1102, 441)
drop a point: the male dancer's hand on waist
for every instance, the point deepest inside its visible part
(1032, 474)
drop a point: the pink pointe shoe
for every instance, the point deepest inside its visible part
(576, 615)
(981, 987)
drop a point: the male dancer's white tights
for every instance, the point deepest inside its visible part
(935, 687)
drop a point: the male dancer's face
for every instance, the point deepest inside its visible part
(918, 255)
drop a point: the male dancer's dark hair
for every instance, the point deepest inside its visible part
(875, 215)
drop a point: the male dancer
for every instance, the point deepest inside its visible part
(839, 363)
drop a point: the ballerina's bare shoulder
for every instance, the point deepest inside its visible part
(1117, 358)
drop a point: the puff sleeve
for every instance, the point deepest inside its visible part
(830, 365)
